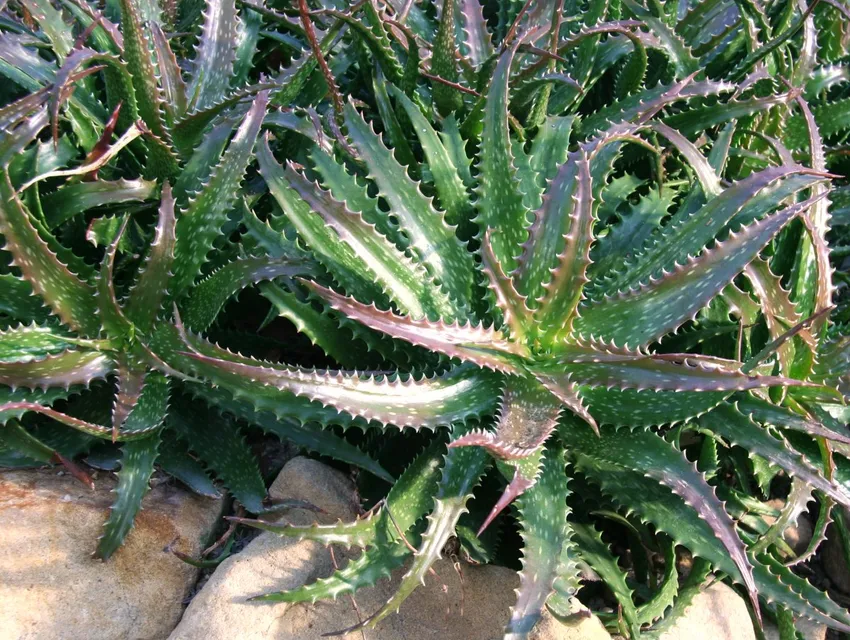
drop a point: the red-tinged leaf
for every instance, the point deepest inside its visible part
(650, 455)
(515, 312)
(779, 312)
(126, 138)
(599, 365)
(689, 232)
(527, 416)
(815, 296)
(476, 42)
(16, 138)
(403, 402)
(639, 317)
(128, 388)
(568, 393)
(482, 346)
(201, 221)
(523, 473)
(15, 437)
(145, 300)
(115, 324)
(69, 297)
(739, 429)
(818, 426)
(557, 308)
(61, 370)
(566, 210)
(174, 90)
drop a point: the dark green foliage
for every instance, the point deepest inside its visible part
(552, 251)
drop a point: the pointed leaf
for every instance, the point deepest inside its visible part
(485, 347)
(431, 240)
(70, 298)
(545, 532)
(200, 222)
(639, 317)
(60, 370)
(649, 454)
(137, 462)
(215, 54)
(146, 297)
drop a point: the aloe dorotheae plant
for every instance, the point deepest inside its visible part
(113, 146)
(562, 339)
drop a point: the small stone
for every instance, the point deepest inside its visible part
(798, 535)
(459, 603)
(52, 587)
(717, 612)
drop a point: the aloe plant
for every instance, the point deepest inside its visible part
(551, 328)
(70, 329)
(574, 253)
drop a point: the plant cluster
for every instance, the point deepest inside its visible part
(573, 256)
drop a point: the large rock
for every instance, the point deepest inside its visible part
(52, 587)
(717, 612)
(475, 607)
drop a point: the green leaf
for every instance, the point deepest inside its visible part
(311, 436)
(739, 429)
(443, 63)
(219, 443)
(73, 199)
(146, 297)
(69, 297)
(137, 462)
(62, 369)
(500, 204)
(201, 220)
(461, 472)
(643, 315)
(649, 454)
(451, 190)
(210, 295)
(675, 48)
(31, 342)
(598, 555)
(175, 460)
(431, 240)
(216, 54)
(545, 532)
(691, 231)
(409, 499)
(405, 282)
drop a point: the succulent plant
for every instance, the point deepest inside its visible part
(125, 130)
(596, 285)
(556, 335)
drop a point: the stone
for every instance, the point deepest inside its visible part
(716, 612)
(475, 606)
(52, 587)
(798, 535)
